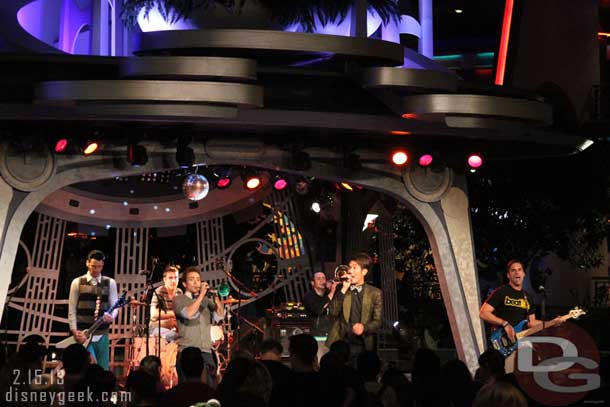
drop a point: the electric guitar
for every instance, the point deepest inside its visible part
(121, 302)
(500, 340)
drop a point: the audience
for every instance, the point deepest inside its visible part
(246, 383)
(396, 390)
(491, 367)
(458, 383)
(151, 364)
(192, 390)
(368, 365)
(499, 394)
(281, 375)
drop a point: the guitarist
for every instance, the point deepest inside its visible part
(90, 295)
(508, 305)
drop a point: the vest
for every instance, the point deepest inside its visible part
(88, 294)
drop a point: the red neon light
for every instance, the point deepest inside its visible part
(508, 16)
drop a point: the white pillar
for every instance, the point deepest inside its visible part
(426, 17)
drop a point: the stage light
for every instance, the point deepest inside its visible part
(475, 161)
(315, 206)
(458, 11)
(395, 324)
(302, 187)
(399, 158)
(347, 186)
(90, 147)
(279, 183)
(136, 154)
(185, 156)
(223, 183)
(61, 145)
(251, 179)
(399, 133)
(425, 160)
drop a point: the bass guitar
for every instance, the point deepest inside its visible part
(121, 302)
(500, 340)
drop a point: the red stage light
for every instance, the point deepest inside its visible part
(399, 158)
(280, 184)
(475, 161)
(347, 186)
(425, 160)
(223, 183)
(61, 145)
(253, 182)
(90, 148)
(399, 132)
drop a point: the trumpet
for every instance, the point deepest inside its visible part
(342, 273)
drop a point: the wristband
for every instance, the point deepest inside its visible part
(504, 324)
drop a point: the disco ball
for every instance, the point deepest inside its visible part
(195, 187)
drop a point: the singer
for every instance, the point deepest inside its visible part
(193, 311)
(356, 308)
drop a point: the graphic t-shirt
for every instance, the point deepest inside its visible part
(510, 304)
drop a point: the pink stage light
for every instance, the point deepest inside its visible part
(475, 161)
(425, 160)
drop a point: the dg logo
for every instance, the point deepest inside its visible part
(559, 367)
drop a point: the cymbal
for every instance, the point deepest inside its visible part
(136, 303)
(230, 301)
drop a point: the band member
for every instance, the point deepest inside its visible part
(508, 305)
(317, 300)
(90, 295)
(167, 292)
(193, 311)
(356, 308)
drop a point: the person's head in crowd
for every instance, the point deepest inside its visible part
(456, 373)
(97, 381)
(303, 350)
(242, 353)
(318, 282)
(171, 277)
(491, 366)
(192, 364)
(75, 359)
(151, 364)
(271, 350)
(342, 350)
(499, 394)
(368, 365)
(257, 383)
(426, 364)
(142, 386)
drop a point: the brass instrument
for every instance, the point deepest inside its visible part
(342, 273)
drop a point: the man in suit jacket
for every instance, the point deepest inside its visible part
(356, 308)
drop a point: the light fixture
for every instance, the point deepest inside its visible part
(90, 147)
(185, 156)
(400, 158)
(195, 187)
(279, 183)
(475, 161)
(61, 145)
(425, 160)
(302, 187)
(252, 179)
(347, 186)
(458, 11)
(223, 178)
(315, 206)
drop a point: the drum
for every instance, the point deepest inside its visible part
(217, 335)
(169, 351)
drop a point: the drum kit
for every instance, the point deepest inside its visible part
(221, 336)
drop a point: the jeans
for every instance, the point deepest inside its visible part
(100, 352)
(209, 364)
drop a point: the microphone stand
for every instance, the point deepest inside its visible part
(239, 285)
(543, 311)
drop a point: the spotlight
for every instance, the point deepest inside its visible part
(302, 187)
(425, 160)
(136, 154)
(223, 177)
(185, 157)
(61, 145)
(347, 186)
(90, 147)
(252, 180)
(475, 161)
(399, 158)
(279, 183)
(315, 206)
